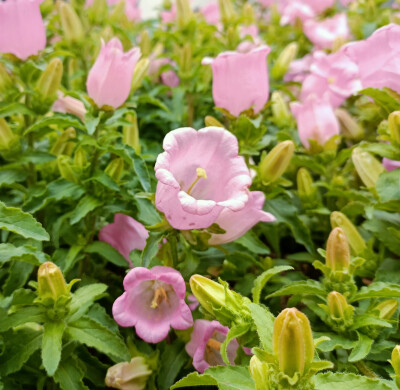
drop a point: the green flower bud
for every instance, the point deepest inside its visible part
(282, 63)
(305, 184)
(70, 23)
(145, 43)
(280, 109)
(51, 282)
(211, 121)
(186, 59)
(130, 134)
(356, 242)
(7, 137)
(260, 373)
(6, 82)
(248, 14)
(62, 145)
(183, 12)
(80, 159)
(293, 344)
(50, 80)
(115, 169)
(367, 167)
(338, 251)
(348, 125)
(227, 11)
(337, 305)
(274, 165)
(394, 126)
(65, 168)
(387, 308)
(141, 70)
(129, 376)
(395, 362)
(98, 11)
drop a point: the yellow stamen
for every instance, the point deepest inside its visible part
(159, 296)
(212, 343)
(201, 174)
(331, 80)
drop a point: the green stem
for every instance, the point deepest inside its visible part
(190, 103)
(362, 367)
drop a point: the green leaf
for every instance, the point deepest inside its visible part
(84, 207)
(335, 342)
(344, 381)
(91, 333)
(70, 374)
(27, 253)
(105, 180)
(151, 249)
(147, 212)
(61, 120)
(16, 221)
(366, 320)
(264, 321)
(52, 345)
(388, 186)
(8, 109)
(253, 244)
(11, 176)
(377, 290)
(84, 297)
(195, 379)
(382, 149)
(384, 98)
(234, 332)
(362, 348)
(309, 287)
(22, 316)
(108, 252)
(19, 346)
(263, 279)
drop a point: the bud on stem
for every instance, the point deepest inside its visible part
(51, 282)
(338, 251)
(130, 133)
(227, 11)
(387, 308)
(305, 184)
(141, 70)
(259, 373)
(50, 80)
(282, 64)
(350, 128)
(65, 168)
(280, 109)
(71, 24)
(115, 169)
(6, 135)
(367, 167)
(337, 305)
(394, 126)
(5, 79)
(184, 12)
(395, 362)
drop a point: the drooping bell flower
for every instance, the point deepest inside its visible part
(240, 222)
(22, 31)
(109, 80)
(323, 34)
(240, 80)
(199, 175)
(125, 234)
(316, 120)
(333, 76)
(378, 58)
(153, 301)
(390, 165)
(69, 105)
(205, 344)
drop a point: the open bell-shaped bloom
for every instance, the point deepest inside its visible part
(378, 58)
(199, 175)
(153, 301)
(316, 120)
(238, 223)
(125, 234)
(240, 80)
(332, 75)
(205, 343)
(294, 10)
(211, 13)
(22, 31)
(324, 33)
(299, 69)
(109, 80)
(69, 105)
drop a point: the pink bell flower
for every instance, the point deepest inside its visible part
(211, 13)
(170, 15)
(240, 222)
(132, 10)
(324, 33)
(69, 105)
(205, 344)
(378, 58)
(390, 165)
(168, 77)
(299, 69)
(240, 80)
(125, 234)
(22, 31)
(266, 3)
(316, 120)
(294, 10)
(153, 301)
(109, 80)
(199, 175)
(334, 76)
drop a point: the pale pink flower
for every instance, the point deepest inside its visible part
(246, 46)
(390, 165)
(169, 16)
(240, 80)
(266, 3)
(168, 77)
(193, 302)
(251, 30)
(125, 234)
(293, 10)
(109, 80)
(325, 32)
(132, 10)
(240, 222)
(334, 76)
(22, 31)
(69, 105)
(153, 301)
(199, 175)
(299, 69)
(345, 2)
(205, 343)
(316, 120)
(378, 58)
(211, 13)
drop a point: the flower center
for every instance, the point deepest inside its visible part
(160, 295)
(214, 344)
(201, 174)
(331, 80)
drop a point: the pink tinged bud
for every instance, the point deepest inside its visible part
(240, 80)
(316, 120)
(390, 165)
(125, 234)
(69, 105)
(22, 31)
(199, 175)
(153, 301)
(237, 223)
(205, 344)
(338, 251)
(324, 33)
(109, 81)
